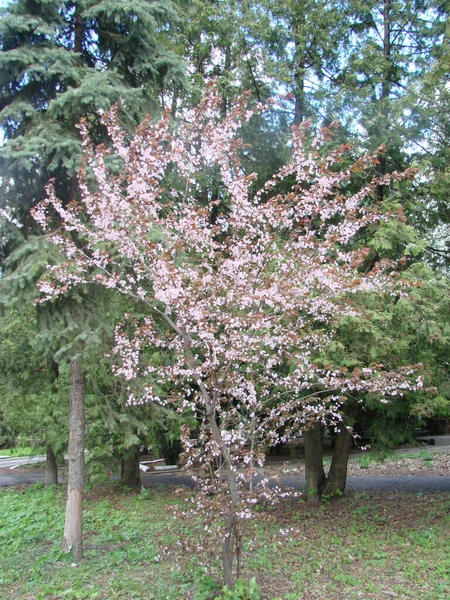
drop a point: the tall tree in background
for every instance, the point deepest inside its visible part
(304, 43)
(395, 43)
(269, 48)
(434, 219)
(61, 61)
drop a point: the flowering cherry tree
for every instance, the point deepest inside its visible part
(236, 307)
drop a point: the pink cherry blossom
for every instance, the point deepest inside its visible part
(239, 308)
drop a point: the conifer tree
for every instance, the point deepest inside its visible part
(62, 60)
(395, 43)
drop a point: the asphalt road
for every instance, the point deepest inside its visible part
(7, 462)
(422, 484)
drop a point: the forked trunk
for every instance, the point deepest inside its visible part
(337, 476)
(315, 475)
(73, 530)
(130, 474)
(51, 467)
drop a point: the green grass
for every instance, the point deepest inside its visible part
(364, 460)
(22, 451)
(363, 546)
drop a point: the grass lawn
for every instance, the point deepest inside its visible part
(364, 546)
(21, 451)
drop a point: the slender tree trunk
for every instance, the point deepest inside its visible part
(299, 68)
(78, 41)
(387, 79)
(73, 530)
(231, 519)
(299, 95)
(315, 475)
(227, 551)
(130, 474)
(51, 467)
(226, 69)
(337, 476)
(386, 84)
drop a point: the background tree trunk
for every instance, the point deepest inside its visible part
(130, 474)
(315, 475)
(337, 475)
(299, 70)
(51, 467)
(73, 530)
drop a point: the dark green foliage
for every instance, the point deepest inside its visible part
(33, 390)
(381, 68)
(64, 60)
(408, 330)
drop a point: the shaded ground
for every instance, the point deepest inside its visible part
(370, 546)
(411, 470)
(426, 461)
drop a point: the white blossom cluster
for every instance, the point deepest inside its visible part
(239, 308)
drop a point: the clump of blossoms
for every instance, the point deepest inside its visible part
(237, 306)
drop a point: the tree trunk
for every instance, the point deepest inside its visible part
(337, 476)
(231, 520)
(386, 85)
(73, 530)
(231, 476)
(299, 67)
(315, 475)
(226, 69)
(51, 467)
(78, 41)
(130, 474)
(227, 551)
(387, 79)
(299, 95)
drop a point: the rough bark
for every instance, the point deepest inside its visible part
(337, 475)
(299, 68)
(387, 80)
(51, 467)
(386, 84)
(130, 474)
(227, 551)
(73, 530)
(315, 475)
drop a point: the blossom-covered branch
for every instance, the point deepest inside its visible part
(239, 306)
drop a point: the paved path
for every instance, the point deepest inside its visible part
(425, 484)
(9, 462)
(411, 483)
(422, 484)
(9, 478)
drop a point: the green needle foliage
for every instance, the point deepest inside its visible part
(63, 60)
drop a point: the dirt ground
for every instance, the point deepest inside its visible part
(430, 461)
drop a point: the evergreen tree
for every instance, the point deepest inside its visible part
(62, 60)
(32, 390)
(434, 217)
(394, 44)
